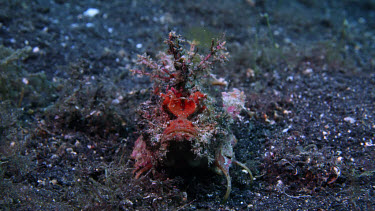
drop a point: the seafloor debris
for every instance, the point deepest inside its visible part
(234, 102)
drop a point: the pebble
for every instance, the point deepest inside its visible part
(54, 181)
(250, 73)
(36, 49)
(287, 40)
(25, 81)
(91, 12)
(54, 156)
(115, 101)
(308, 71)
(42, 182)
(139, 45)
(349, 119)
(89, 25)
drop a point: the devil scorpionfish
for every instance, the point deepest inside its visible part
(181, 124)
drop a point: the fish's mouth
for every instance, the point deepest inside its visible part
(179, 135)
(179, 130)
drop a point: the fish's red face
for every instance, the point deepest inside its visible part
(181, 129)
(182, 108)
